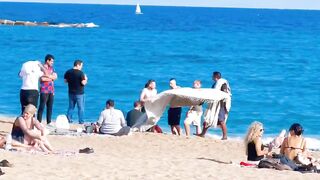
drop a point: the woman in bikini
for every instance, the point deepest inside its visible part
(23, 130)
(294, 143)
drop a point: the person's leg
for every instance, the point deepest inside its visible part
(43, 100)
(198, 129)
(177, 127)
(123, 131)
(224, 130)
(49, 107)
(172, 130)
(23, 98)
(72, 104)
(80, 104)
(187, 128)
(33, 97)
(204, 130)
(47, 144)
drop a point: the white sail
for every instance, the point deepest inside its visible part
(138, 9)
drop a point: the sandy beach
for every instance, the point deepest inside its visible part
(138, 156)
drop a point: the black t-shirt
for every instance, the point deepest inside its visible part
(74, 78)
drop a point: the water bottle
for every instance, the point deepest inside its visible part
(8, 142)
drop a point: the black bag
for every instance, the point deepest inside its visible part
(273, 163)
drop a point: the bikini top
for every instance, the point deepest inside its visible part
(291, 147)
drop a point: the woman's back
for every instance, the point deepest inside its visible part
(292, 146)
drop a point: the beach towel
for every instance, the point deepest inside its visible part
(183, 97)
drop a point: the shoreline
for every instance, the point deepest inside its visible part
(315, 146)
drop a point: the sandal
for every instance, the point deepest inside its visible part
(86, 150)
(5, 163)
(1, 172)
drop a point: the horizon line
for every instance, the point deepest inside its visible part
(161, 5)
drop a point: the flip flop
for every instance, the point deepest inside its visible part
(86, 150)
(5, 163)
(1, 172)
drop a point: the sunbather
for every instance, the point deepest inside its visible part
(23, 130)
(253, 143)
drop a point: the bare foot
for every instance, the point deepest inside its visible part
(224, 138)
(199, 135)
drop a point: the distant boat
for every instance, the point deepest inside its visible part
(138, 9)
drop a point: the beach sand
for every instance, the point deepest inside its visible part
(138, 156)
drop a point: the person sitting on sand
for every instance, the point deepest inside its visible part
(111, 121)
(253, 143)
(23, 130)
(194, 114)
(295, 147)
(134, 114)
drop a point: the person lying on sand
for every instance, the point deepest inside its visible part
(22, 130)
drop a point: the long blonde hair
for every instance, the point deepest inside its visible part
(253, 132)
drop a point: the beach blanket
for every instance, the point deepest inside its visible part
(156, 106)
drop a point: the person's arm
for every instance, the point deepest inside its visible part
(258, 144)
(38, 125)
(54, 76)
(101, 118)
(21, 74)
(65, 77)
(123, 121)
(283, 145)
(142, 95)
(25, 130)
(50, 77)
(84, 80)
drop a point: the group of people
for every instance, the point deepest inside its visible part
(34, 73)
(293, 148)
(27, 130)
(195, 112)
(111, 120)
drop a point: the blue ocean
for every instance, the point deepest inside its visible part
(270, 58)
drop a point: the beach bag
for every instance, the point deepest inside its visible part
(273, 163)
(62, 122)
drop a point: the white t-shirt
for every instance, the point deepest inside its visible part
(220, 82)
(111, 121)
(30, 74)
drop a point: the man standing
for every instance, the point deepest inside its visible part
(30, 73)
(47, 88)
(174, 113)
(223, 85)
(76, 80)
(111, 121)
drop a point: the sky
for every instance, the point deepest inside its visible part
(274, 4)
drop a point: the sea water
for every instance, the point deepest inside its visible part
(270, 58)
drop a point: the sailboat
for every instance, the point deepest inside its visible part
(138, 9)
